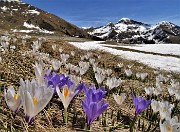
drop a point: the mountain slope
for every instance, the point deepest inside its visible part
(130, 31)
(18, 16)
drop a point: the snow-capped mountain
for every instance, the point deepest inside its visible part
(17, 16)
(130, 31)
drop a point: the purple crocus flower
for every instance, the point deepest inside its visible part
(140, 104)
(93, 103)
(55, 80)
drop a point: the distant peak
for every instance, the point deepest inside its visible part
(166, 23)
(130, 21)
(110, 24)
(125, 19)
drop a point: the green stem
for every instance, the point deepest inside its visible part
(65, 116)
(87, 128)
(132, 124)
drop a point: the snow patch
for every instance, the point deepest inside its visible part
(27, 25)
(23, 31)
(33, 12)
(173, 49)
(33, 29)
(154, 61)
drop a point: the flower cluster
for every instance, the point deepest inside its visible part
(93, 103)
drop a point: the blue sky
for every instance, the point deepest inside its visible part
(86, 13)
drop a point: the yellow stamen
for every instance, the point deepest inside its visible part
(119, 97)
(164, 110)
(35, 100)
(65, 92)
(15, 97)
(169, 129)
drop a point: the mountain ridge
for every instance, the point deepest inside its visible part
(130, 31)
(17, 16)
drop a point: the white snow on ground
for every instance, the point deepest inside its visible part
(155, 61)
(173, 49)
(31, 26)
(33, 12)
(23, 31)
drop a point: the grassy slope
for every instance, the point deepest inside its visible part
(14, 66)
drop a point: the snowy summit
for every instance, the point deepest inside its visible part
(130, 31)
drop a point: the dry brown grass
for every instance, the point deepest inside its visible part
(14, 66)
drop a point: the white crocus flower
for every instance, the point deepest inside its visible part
(76, 79)
(138, 75)
(99, 78)
(36, 45)
(13, 99)
(40, 71)
(120, 65)
(174, 83)
(60, 50)
(72, 53)
(99, 56)
(12, 47)
(66, 96)
(54, 47)
(157, 91)
(149, 90)
(84, 66)
(24, 42)
(113, 82)
(89, 54)
(155, 106)
(128, 72)
(172, 91)
(130, 66)
(98, 70)
(64, 57)
(165, 109)
(119, 98)
(170, 125)
(34, 97)
(143, 76)
(82, 57)
(72, 68)
(177, 94)
(77, 69)
(108, 72)
(14, 40)
(56, 64)
(92, 61)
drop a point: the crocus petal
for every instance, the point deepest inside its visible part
(93, 103)
(140, 104)
(91, 114)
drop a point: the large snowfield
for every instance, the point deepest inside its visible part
(173, 49)
(167, 63)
